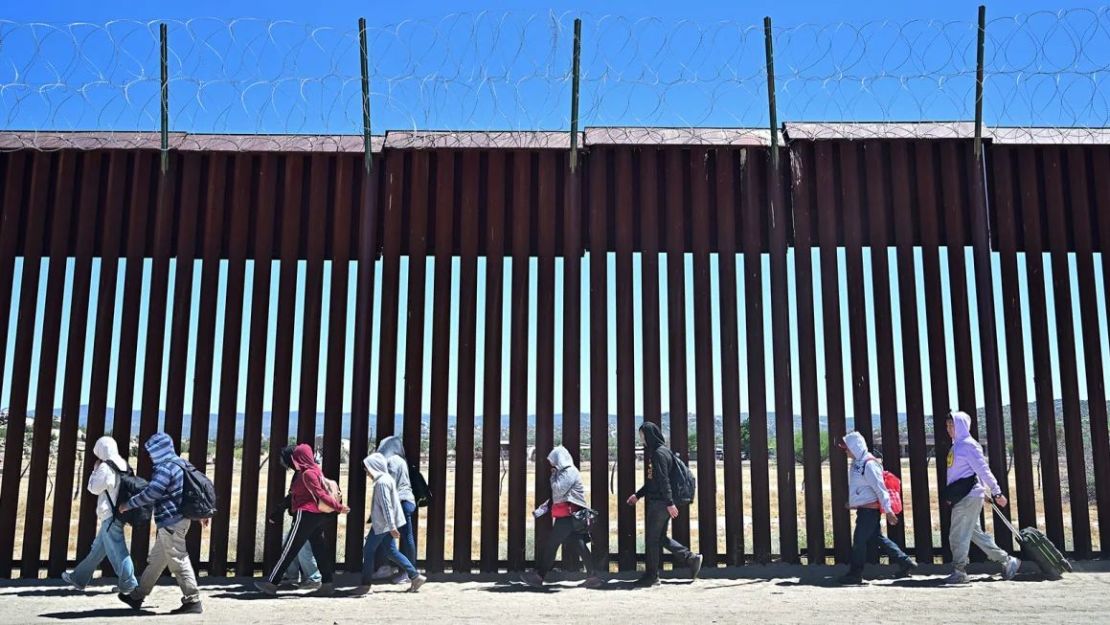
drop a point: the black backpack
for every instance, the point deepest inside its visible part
(420, 491)
(198, 495)
(129, 485)
(683, 482)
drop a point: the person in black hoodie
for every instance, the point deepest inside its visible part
(659, 460)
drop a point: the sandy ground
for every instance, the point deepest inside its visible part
(776, 594)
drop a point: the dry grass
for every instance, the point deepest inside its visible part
(614, 500)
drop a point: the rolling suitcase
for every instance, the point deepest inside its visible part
(1038, 548)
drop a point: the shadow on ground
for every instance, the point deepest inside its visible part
(106, 613)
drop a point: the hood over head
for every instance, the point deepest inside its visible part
(377, 464)
(653, 436)
(160, 448)
(303, 458)
(287, 456)
(107, 450)
(962, 422)
(856, 444)
(560, 458)
(392, 446)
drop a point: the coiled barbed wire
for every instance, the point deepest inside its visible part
(504, 79)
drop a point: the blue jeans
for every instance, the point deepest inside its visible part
(868, 531)
(383, 541)
(408, 541)
(305, 565)
(108, 543)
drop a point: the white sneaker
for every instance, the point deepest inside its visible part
(417, 582)
(383, 572)
(1010, 569)
(957, 577)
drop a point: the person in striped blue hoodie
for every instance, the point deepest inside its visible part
(164, 493)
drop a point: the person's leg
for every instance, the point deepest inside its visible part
(302, 528)
(655, 520)
(306, 562)
(294, 568)
(115, 546)
(155, 565)
(369, 550)
(320, 548)
(179, 563)
(965, 517)
(561, 530)
(398, 558)
(408, 539)
(82, 573)
(985, 541)
(867, 525)
(891, 548)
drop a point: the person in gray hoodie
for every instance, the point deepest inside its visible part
(393, 448)
(968, 467)
(109, 542)
(568, 499)
(386, 519)
(867, 495)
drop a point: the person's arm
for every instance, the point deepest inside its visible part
(100, 480)
(662, 474)
(275, 516)
(316, 487)
(390, 511)
(874, 473)
(155, 491)
(982, 469)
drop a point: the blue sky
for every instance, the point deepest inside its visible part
(667, 76)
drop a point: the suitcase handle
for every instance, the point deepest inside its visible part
(1005, 521)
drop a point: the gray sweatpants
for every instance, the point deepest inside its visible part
(965, 530)
(169, 551)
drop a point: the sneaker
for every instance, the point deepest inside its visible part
(957, 577)
(1010, 569)
(361, 591)
(532, 578)
(323, 590)
(694, 562)
(647, 581)
(266, 588)
(288, 586)
(592, 582)
(67, 577)
(851, 578)
(906, 568)
(135, 604)
(309, 585)
(416, 583)
(189, 608)
(384, 572)
(400, 578)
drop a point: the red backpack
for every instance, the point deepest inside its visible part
(893, 488)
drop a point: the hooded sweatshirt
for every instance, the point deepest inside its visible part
(659, 460)
(386, 514)
(104, 482)
(567, 491)
(866, 488)
(966, 459)
(164, 490)
(394, 451)
(307, 488)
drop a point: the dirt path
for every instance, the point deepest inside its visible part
(776, 595)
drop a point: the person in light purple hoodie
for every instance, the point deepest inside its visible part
(967, 465)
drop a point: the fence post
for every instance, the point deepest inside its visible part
(365, 65)
(574, 71)
(984, 283)
(165, 98)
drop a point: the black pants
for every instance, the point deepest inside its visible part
(657, 540)
(307, 527)
(565, 534)
(868, 532)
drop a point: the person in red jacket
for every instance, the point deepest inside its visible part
(307, 491)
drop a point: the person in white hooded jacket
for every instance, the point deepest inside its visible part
(386, 519)
(109, 542)
(867, 495)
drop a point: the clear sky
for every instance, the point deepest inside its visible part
(654, 63)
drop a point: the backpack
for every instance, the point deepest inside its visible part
(198, 495)
(129, 485)
(333, 489)
(420, 491)
(893, 488)
(683, 483)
